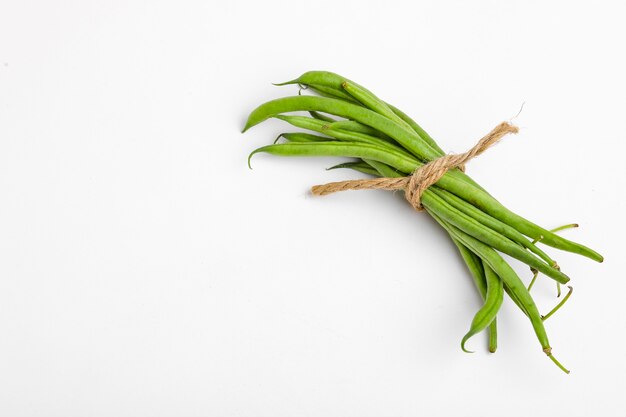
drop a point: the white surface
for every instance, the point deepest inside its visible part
(145, 271)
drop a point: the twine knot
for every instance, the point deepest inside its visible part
(428, 174)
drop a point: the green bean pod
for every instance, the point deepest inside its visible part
(352, 126)
(494, 224)
(488, 236)
(510, 279)
(417, 128)
(325, 83)
(488, 312)
(369, 100)
(330, 129)
(346, 149)
(477, 271)
(454, 181)
(329, 84)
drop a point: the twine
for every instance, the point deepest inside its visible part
(415, 184)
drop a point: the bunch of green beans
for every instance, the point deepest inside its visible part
(348, 120)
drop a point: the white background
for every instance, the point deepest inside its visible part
(146, 271)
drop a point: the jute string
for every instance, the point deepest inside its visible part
(415, 184)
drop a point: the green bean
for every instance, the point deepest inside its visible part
(477, 271)
(408, 139)
(493, 224)
(333, 85)
(511, 281)
(423, 150)
(337, 133)
(535, 272)
(487, 236)
(324, 83)
(369, 100)
(452, 181)
(492, 207)
(318, 78)
(484, 234)
(472, 261)
(388, 143)
(352, 126)
(489, 310)
(345, 149)
(329, 84)
(417, 128)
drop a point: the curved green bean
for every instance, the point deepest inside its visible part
(477, 271)
(510, 279)
(331, 148)
(487, 313)
(405, 137)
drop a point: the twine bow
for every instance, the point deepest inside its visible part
(422, 178)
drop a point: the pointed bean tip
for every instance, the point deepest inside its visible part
(248, 125)
(286, 83)
(463, 341)
(261, 149)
